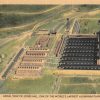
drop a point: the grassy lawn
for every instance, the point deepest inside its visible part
(25, 8)
(48, 25)
(11, 20)
(76, 89)
(75, 80)
(19, 20)
(86, 8)
(97, 89)
(52, 24)
(73, 85)
(9, 50)
(97, 80)
(15, 31)
(89, 26)
(14, 19)
(31, 41)
(41, 85)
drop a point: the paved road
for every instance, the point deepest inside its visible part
(56, 85)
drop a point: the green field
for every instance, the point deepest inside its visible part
(15, 19)
(25, 8)
(9, 50)
(23, 22)
(80, 85)
(37, 86)
(89, 26)
(44, 85)
(77, 89)
(86, 8)
(31, 41)
(76, 80)
(15, 31)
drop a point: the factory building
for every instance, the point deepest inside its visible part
(81, 52)
(32, 63)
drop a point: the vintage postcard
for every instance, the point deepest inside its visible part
(49, 50)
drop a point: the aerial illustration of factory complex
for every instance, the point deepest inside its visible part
(51, 49)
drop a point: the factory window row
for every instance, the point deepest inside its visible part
(35, 54)
(29, 67)
(89, 59)
(81, 44)
(32, 60)
(79, 47)
(78, 51)
(37, 49)
(72, 67)
(82, 55)
(30, 64)
(76, 63)
(80, 41)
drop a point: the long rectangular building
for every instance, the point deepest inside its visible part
(81, 52)
(32, 63)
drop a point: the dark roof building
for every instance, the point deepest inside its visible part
(81, 52)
